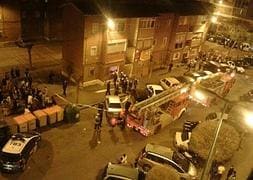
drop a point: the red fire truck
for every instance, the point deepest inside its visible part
(151, 115)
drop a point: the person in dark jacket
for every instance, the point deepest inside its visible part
(64, 87)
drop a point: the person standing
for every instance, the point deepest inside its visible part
(170, 67)
(17, 72)
(231, 173)
(108, 88)
(64, 87)
(98, 128)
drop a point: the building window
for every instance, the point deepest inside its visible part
(176, 56)
(148, 43)
(165, 41)
(91, 72)
(147, 24)
(116, 47)
(179, 41)
(95, 28)
(93, 51)
(121, 26)
(139, 44)
(154, 42)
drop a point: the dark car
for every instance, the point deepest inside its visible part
(241, 63)
(184, 79)
(247, 96)
(17, 151)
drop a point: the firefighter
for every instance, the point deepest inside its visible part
(97, 128)
(108, 87)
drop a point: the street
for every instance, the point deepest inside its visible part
(69, 151)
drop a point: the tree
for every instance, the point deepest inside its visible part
(162, 172)
(203, 135)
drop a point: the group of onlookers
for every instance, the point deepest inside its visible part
(17, 93)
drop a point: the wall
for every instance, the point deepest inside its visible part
(162, 31)
(73, 35)
(10, 19)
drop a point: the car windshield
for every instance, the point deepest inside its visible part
(114, 105)
(158, 91)
(10, 157)
(183, 79)
(181, 161)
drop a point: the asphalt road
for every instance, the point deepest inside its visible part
(69, 151)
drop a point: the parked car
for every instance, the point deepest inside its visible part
(205, 74)
(184, 79)
(245, 46)
(241, 63)
(113, 106)
(233, 66)
(170, 83)
(193, 75)
(17, 151)
(122, 172)
(247, 96)
(155, 88)
(153, 155)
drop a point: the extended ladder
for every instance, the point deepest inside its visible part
(161, 98)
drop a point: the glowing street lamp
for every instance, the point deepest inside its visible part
(214, 19)
(249, 119)
(110, 24)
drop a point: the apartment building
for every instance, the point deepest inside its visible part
(126, 37)
(10, 25)
(30, 20)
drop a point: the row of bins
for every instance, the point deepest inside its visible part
(40, 118)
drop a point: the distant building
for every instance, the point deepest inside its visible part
(30, 20)
(139, 38)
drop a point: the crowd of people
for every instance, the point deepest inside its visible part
(122, 84)
(17, 93)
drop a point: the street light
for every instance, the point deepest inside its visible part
(110, 24)
(214, 19)
(249, 118)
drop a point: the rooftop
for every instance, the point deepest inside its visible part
(142, 8)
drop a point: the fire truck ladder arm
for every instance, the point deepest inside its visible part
(159, 99)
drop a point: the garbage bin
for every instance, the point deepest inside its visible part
(71, 113)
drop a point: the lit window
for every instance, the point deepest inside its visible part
(93, 51)
(95, 28)
(147, 24)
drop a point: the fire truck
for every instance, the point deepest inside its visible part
(149, 116)
(219, 85)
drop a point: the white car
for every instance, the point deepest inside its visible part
(170, 83)
(156, 88)
(232, 65)
(113, 106)
(18, 150)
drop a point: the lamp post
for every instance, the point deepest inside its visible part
(225, 111)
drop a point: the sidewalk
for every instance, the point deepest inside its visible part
(43, 55)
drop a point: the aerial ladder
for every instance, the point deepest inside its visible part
(148, 109)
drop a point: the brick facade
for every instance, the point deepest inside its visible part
(141, 44)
